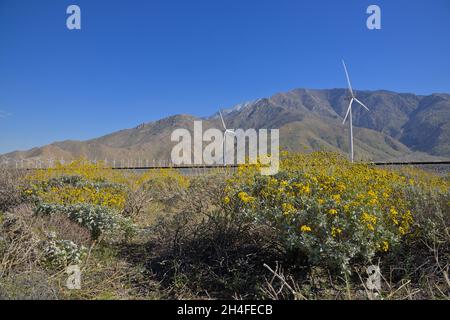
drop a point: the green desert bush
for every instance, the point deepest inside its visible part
(337, 214)
(98, 220)
(60, 253)
(423, 257)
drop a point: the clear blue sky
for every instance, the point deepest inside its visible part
(135, 61)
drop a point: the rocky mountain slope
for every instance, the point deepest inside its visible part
(399, 126)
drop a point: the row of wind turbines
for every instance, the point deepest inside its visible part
(347, 115)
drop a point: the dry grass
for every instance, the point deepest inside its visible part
(10, 194)
(19, 246)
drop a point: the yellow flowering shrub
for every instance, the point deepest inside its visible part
(83, 182)
(78, 182)
(330, 209)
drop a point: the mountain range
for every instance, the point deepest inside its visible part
(399, 126)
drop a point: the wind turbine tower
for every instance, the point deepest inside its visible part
(227, 131)
(349, 112)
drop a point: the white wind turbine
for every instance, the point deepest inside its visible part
(349, 111)
(227, 131)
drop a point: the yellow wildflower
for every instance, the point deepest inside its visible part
(335, 232)
(287, 208)
(305, 228)
(332, 211)
(385, 246)
(245, 197)
(394, 215)
(370, 220)
(306, 189)
(336, 198)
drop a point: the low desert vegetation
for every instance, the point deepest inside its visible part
(308, 232)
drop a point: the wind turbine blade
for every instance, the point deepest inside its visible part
(348, 111)
(223, 122)
(362, 104)
(229, 131)
(348, 79)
